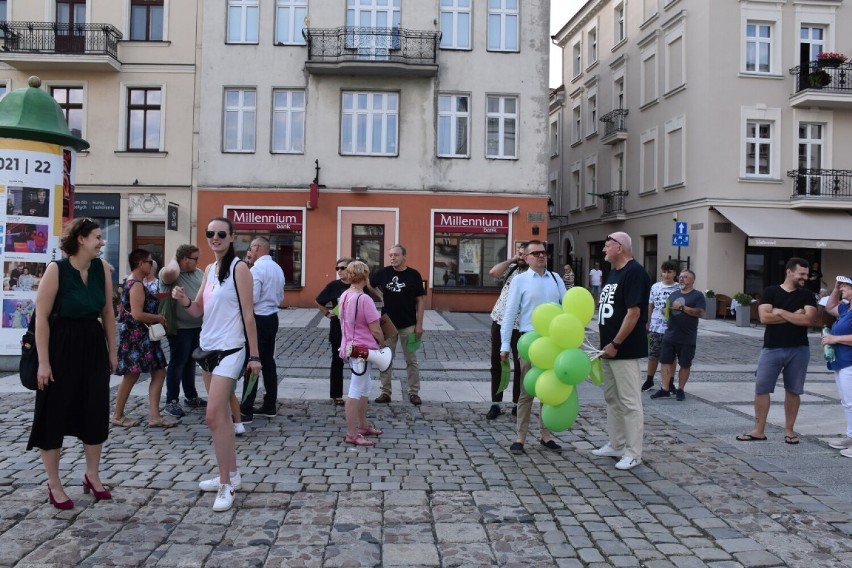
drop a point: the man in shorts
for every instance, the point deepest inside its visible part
(787, 311)
(656, 327)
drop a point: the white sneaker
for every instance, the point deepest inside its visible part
(225, 498)
(239, 429)
(608, 451)
(214, 485)
(847, 453)
(840, 443)
(628, 462)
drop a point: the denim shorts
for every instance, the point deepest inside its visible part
(684, 353)
(791, 362)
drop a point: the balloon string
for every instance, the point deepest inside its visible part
(594, 354)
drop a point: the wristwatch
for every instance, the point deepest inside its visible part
(615, 344)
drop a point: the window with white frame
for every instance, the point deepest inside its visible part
(761, 29)
(501, 122)
(758, 156)
(503, 25)
(674, 154)
(240, 117)
(590, 197)
(243, 21)
(576, 186)
(288, 121)
(70, 101)
(369, 123)
(592, 44)
(455, 24)
(144, 119)
(146, 20)
(810, 157)
(648, 161)
(290, 21)
(675, 59)
(648, 77)
(577, 59)
(453, 126)
(758, 47)
(592, 116)
(576, 122)
(554, 138)
(618, 91)
(760, 144)
(618, 170)
(618, 18)
(814, 37)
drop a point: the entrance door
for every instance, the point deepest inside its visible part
(70, 17)
(809, 180)
(150, 237)
(368, 244)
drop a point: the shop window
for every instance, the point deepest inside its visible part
(285, 248)
(463, 260)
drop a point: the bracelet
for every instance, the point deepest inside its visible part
(186, 307)
(254, 358)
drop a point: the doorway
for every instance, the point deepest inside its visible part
(152, 238)
(70, 29)
(368, 245)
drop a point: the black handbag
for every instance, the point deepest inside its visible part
(28, 366)
(209, 360)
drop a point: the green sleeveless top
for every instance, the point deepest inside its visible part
(76, 299)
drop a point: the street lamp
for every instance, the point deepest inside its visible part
(550, 207)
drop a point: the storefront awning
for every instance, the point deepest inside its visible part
(788, 228)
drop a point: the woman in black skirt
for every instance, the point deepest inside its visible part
(77, 353)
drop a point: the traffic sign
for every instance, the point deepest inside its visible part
(681, 228)
(680, 240)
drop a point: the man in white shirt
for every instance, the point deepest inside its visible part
(268, 281)
(595, 280)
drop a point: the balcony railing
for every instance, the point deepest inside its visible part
(376, 46)
(57, 38)
(615, 125)
(825, 185)
(614, 202)
(832, 78)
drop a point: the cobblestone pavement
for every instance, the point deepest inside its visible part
(440, 488)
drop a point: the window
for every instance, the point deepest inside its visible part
(369, 124)
(466, 246)
(810, 157)
(501, 115)
(577, 59)
(674, 154)
(620, 32)
(592, 123)
(618, 89)
(675, 60)
(290, 21)
(758, 47)
(3, 10)
(70, 100)
(758, 148)
(503, 25)
(592, 43)
(649, 76)
(576, 123)
(576, 186)
(240, 118)
(618, 171)
(288, 122)
(648, 161)
(143, 119)
(591, 194)
(650, 256)
(455, 24)
(4, 87)
(453, 126)
(372, 14)
(368, 245)
(554, 138)
(146, 20)
(243, 21)
(814, 38)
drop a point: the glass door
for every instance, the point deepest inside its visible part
(70, 32)
(809, 180)
(368, 245)
(374, 27)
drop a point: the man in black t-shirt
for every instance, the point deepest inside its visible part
(401, 290)
(787, 311)
(621, 323)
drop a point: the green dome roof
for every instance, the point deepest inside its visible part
(31, 114)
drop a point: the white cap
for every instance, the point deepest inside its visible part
(844, 279)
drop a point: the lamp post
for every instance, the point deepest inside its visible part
(550, 207)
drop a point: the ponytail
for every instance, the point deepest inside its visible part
(225, 264)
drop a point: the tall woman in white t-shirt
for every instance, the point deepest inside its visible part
(222, 330)
(359, 325)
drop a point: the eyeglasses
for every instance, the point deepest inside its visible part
(192, 258)
(148, 261)
(611, 238)
(537, 253)
(340, 268)
(220, 234)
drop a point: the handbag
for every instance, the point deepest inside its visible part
(156, 331)
(209, 360)
(28, 365)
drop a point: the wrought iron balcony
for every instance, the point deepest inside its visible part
(826, 86)
(615, 204)
(52, 45)
(372, 51)
(615, 129)
(822, 186)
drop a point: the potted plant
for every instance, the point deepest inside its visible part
(743, 311)
(830, 59)
(819, 79)
(710, 304)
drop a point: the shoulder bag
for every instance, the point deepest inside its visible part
(28, 366)
(209, 360)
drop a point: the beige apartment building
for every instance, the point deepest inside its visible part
(124, 74)
(340, 127)
(714, 125)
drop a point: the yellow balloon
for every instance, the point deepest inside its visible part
(543, 315)
(579, 302)
(550, 390)
(543, 352)
(567, 331)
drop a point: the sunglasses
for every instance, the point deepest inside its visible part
(537, 253)
(611, 238)
(340, 268)
(192, 258)
(220, 234)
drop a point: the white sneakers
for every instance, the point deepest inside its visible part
(239, 429)
(608, 451)
(627, 462)
(214, 485)
(847, 453)
(840, 443)
(224, 498)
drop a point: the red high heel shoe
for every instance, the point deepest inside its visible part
(104, 495)
(63, 506)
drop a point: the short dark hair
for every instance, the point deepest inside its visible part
(795, 262)
(79, 227)
(668, 265)
(136, 256)
(533, 242)
(185, 251)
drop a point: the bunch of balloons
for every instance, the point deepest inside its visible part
(558, 363)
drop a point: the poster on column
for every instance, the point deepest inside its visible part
(36, 183)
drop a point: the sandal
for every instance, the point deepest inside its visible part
(370, 431)
(358, 440)
(161, 423)
(338, 402)
(124, 422)
(794, 439)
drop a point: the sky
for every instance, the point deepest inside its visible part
(560, 12)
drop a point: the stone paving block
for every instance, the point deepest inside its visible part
(734, 545)
(756, 558)
(225, 556)
(191, 533)
(120, 554)
(180, 556)
(289, 557)
(463, 533)
(410, 555)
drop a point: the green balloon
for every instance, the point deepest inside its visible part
(543, 315)
(530, 379)
(543, 352)
(596, 372)
(572, 366)
(551, 390)
(524, 344)
(561, 417)
(579, 303)
(567, 331)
